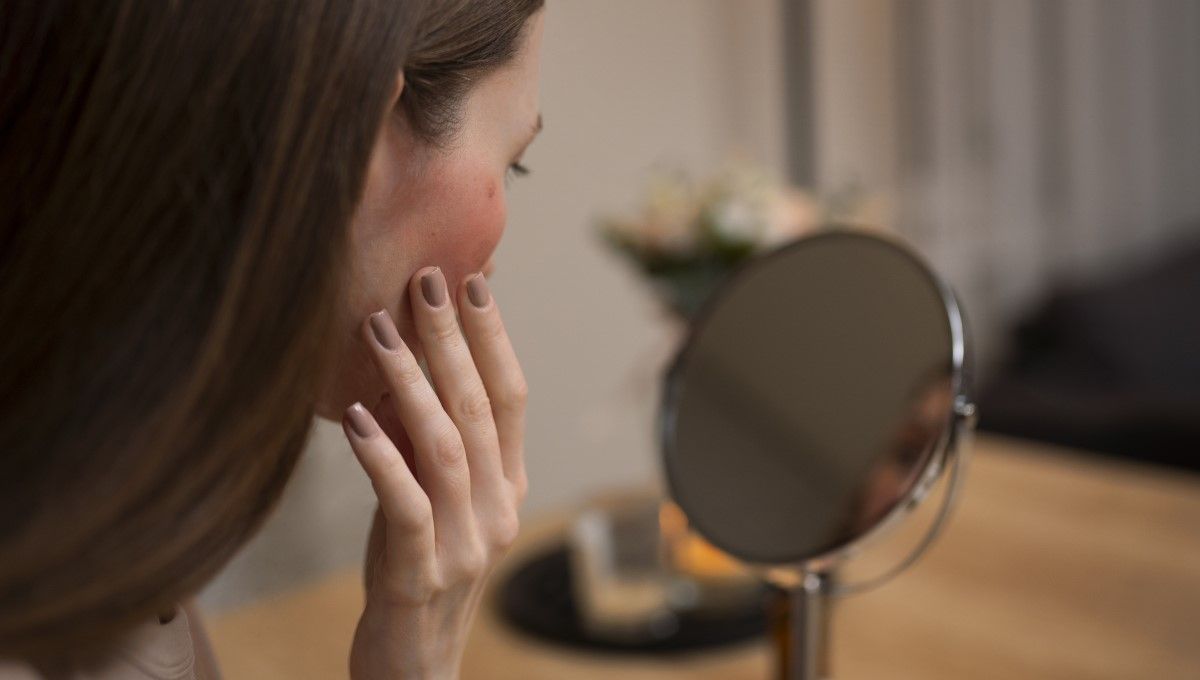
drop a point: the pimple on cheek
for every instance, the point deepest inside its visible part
(488, 214)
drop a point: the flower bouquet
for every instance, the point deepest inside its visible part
(689, 235)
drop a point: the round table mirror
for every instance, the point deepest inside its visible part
(819, 394)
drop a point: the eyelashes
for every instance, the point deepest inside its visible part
(518, 170)
(515, 169)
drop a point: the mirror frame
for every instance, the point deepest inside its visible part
(959, 419)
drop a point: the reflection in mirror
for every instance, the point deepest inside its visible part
(811, 397)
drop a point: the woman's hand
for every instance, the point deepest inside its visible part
(448, 469)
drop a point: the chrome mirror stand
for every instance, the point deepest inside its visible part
(801, 619)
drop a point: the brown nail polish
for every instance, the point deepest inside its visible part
(361, 421)
(384, 330)
(477, 290)
(433, 287)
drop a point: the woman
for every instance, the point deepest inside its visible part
(218, 220)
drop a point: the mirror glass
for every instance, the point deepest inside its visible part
(813, 391)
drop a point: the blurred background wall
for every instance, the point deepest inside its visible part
(1044, 154)
(1022, 145)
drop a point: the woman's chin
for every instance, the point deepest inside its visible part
(358, 381)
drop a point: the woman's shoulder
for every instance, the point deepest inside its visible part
(162, 648)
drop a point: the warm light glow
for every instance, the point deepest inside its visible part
(691, 554)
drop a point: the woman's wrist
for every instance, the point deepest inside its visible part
(388, 645)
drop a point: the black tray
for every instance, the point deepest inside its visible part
(537, 600)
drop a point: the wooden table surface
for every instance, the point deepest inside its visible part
(1053, 566)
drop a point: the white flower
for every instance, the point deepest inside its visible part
(791, 214)
(738, 220)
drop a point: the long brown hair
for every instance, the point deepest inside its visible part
(176, 179)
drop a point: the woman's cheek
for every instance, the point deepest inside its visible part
(474, 232)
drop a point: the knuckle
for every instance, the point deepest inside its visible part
(444, 330)
(521, 487)
(409, 374)
(417, 519)
(515, 397)
(519, 393)
(506, 526)
(448, 447)
(493, 329)
(415, 587)
(472, 561)
(475, 406)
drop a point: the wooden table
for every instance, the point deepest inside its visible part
(1054, 566)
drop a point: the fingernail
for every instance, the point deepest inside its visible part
(433, 287)
(361, 421)
(384, 330)
(477, 290)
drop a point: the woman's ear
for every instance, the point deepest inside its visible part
(399, 89)
(384, 167)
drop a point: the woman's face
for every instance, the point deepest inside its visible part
(425, 206)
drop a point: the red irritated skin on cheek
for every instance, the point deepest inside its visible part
(465, 221)
(446, 210)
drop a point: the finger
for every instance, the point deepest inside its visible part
(437, 447)
(401, 499)
(384, 413)
(458, 384)
(376, 546)
(500, 371)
